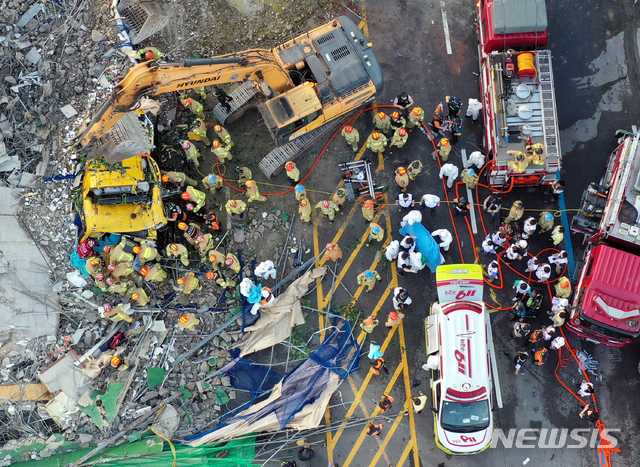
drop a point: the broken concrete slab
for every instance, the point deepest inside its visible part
(68, 111)
(64, 376)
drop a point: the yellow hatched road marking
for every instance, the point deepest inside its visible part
(405, 453)
(392, 285)
(407, 389)
(383, 448)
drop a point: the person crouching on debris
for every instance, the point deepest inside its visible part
(188, 321)
(120, 364)
(116, 313)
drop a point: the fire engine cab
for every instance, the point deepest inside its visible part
(521, 136)
(458, 354)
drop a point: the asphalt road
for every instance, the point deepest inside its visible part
(595, 53)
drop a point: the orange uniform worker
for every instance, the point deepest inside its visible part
(369, 324)
(402, 178)
(304, 210)
(377, 365)
(368, 211)
(292, 172)
(333, 253)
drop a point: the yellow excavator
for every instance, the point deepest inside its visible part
(303, 89)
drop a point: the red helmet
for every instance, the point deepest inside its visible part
(181, 280)
(368, 205)
(375, 135)
(106, 307)
(165, 178)
(348, 128)
(110, 281)
(91, 243)
(228, 261)
(184, 319)
(402, 132)
(186, 144)
(395, 115)
(144, 271)
(111, 267)
(217, 128)
(330, 246)
(233, 203)
(137, 249)
(303, 202)
(115, 361)
(200, 238)
(100, 276)
(182, 225)
(416, 111)
(325, 204)
(187, 102)
(185, 196)
(106, 249)
(174, 247)
(135, 296)
(190, 207)
(290, 166)
(94, 261)
(393, 315)
(381, 115)
(216, 143)
(210, 275)
(148, 55)
(402, 171)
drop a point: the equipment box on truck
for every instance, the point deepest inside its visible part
(606, 302)
(521, 136)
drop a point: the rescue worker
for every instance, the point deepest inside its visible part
(543, 273)
(382, 122)
(116, 313)
(402, 179)
(146, 253)
(492, 270)
(405, 201)
(150, 53)
(300, 192)
(216, 259)
(153, 274)
(545, 222)
(515, 213)
(221, 151)
(540, 357)
(253, 194)
(375, 233)
(369, 324)
(120, 364)
(401, 298)
(195, 107)
(195, 196)
(493, 205)
(191, 152)
(188, 321)
(139, 296)
(385, 403)
(488, 247)
(403, 100)
(520, 162)
(557, 235)
(451, 172)
(121, 253)
(560, 259)
(189, 283)
(368, 278)
(533, 264)
(199, 128)
(394, 319)
(236, 206)
(461, 206)
(244, 174)
(201, 92)
(555, 190)
(374, 429)
(292, 172)
(416, 117)
(232, 263)
(351, 136)
(444, 149)
(178, 251)
(339, 198)
(204, 243)
(529, 227)
(559, 318)
(430, 201)
(333, 253)
(100, 282)
(368, 211)
(304, 210)
(419, 403)
(377, 365)
(212, 182)
(328, 208)
(454, 105)
(377, 142)
(85, 249)
(223, 98)
(537, 153)
(438, 118)
(178, 177)
(93, 265)
(470, 178)
(224, 136)
(211, 221)
(121, 269)
(445, 238)
(191, 231)
(399, 138)
(476, 158)
(175, 213)
(397, 121)
(414, 169)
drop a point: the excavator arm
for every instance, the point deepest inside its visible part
(149, 79)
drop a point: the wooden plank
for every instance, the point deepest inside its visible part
(23, 392)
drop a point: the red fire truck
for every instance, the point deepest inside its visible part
(517, 93)
(606, 302)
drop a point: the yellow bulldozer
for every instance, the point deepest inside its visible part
(302, 88)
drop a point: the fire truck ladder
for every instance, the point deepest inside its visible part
(549, 114)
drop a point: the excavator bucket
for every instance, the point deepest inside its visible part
(126, 139)
(143, 18)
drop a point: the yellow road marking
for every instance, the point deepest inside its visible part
(319, 292)
(383, 448)
(405, 454)
(407, 389)
(392, 285)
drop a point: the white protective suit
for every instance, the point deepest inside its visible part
(392, 250)
(411, 218)
(445, 238)
(451, 172)
(266, 270)
(475, 158)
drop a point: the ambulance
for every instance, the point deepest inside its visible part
(458, 355)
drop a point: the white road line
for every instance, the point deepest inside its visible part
(472, 212)
(445, 25)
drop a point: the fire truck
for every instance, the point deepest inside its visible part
(606, 302)
(521, 136)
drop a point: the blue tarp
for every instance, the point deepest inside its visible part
(425, 244)
(248, 376)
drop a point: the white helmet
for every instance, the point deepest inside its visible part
(522, 244)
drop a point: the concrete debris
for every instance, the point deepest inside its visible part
(68, 111)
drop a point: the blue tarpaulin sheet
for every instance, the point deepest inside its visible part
(425, 244)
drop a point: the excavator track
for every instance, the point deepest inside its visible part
(273, 163)
(241, 95)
